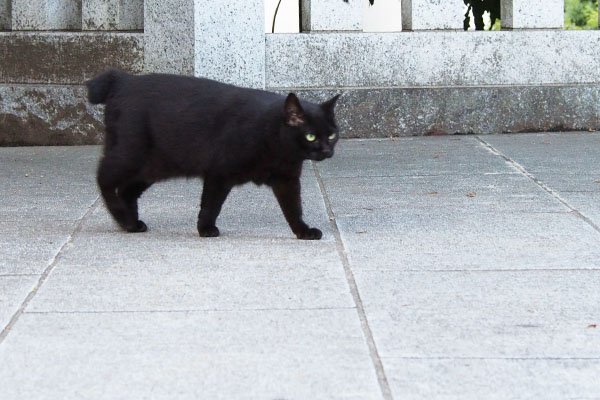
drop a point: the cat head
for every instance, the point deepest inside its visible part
(311, 127)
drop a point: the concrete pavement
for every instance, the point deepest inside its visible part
(450, 267)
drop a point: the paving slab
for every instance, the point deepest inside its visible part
(447, 271)
(44, 184)
(475, 378)
(586, 203)
(214, 355)
(411, 156)
(169, 273)
(567, 164)
(13, 291)
(60, 164)
(564, 162)
(569, 152)
(193, 273)
(490, 314)
(434, 194)
(28, 247)
(422, 240)
(249, 211)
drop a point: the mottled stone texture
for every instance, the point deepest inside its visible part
(100, 15)
(112, 15)
(169, 36)
(432, 58)
(35, 113)
(432, 14)
(46, 14)
(524, 14)
(52, 115)
(48, 115)
(218, 39)
(5, 14)
(132, 14)
(230, 41)
(388, 112)
(332, 15)
(65, 57)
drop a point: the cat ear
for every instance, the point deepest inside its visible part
(329, 105)
(294, 114)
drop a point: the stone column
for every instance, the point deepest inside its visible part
(100, 15)
(332, 15)
(45, 15)
(432, 14)
(169, 36)
(532, 14)
(230, 41)
(217, 39)
(5, 15)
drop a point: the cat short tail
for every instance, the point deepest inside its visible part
(100, 87)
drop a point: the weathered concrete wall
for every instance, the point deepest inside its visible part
(409, 83)
(5, 14)
(412, 84)
(112, 15)
(131, 14)
(388, 112)
(435, 58)
(217, 39)
(46, 15)
(230, 41)
(332, 15)
(432, 14)
(169, 36)
(66, 57)
(532, 14)
(32, 112)
(48, 115)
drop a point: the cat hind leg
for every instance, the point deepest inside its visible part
(130, 193)
(114, 173)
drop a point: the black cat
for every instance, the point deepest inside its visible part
(162, 126)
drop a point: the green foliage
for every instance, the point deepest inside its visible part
(480, 7)
(581, 14)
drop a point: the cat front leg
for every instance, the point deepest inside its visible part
(287, 192)
(214, 193)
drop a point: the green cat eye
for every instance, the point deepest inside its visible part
(310, 137)
(332, 136)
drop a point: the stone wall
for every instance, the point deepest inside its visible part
(431, 79)
(48, 49)
(434, 78)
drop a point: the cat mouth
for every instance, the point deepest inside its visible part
(320, 156)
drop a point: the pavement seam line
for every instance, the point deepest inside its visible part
(542, 358)
(384, 385)
(183, 311)
(47, 272)
(541, 184)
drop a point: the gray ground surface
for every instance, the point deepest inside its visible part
(454, 267)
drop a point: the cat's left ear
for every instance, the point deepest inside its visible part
(294, 114)
(329, 105)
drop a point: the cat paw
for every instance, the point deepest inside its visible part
(208, 231)
(310, 234)
(139, 226)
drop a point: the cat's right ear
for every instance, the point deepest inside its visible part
(294, 114)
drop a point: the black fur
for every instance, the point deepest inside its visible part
(163, 126)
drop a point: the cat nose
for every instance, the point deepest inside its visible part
(328, 153)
